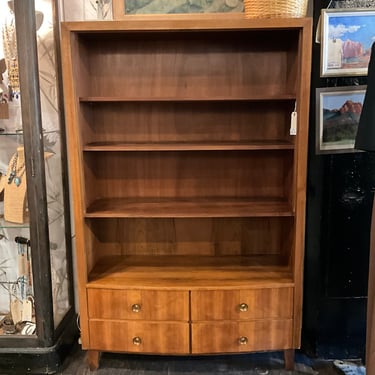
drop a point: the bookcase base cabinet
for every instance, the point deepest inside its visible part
(188, 188)
(238, 337)
(173, 337)
(190, 322)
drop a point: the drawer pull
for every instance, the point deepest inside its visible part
(243, 307)
(137, 340)
(243, 340)
(136, 308)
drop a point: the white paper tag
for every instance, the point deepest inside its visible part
(334, 55)
(293, 123)
(27, 311)
(16, 310)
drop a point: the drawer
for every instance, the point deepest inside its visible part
(139, 337)
(207, 305)
(235, 337)
(138, 304)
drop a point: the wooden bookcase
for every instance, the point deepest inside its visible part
(188, 189)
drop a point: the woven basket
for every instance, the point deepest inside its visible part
(275, 8)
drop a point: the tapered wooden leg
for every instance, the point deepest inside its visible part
(93, 357)
(289, 359)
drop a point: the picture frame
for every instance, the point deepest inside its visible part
(123, 9)
(338, 110)
(346, 40)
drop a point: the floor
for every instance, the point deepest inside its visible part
(254, 364)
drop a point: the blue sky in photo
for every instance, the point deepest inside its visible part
(336, 100)
(356, 28)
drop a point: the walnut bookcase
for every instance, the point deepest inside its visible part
(189, 191)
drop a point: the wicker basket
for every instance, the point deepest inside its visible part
(275, 8)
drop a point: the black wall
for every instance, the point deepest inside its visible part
(339, 204)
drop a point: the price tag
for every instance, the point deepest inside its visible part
(334, 56)
(293, 122)
(27, 311)
(16, 310)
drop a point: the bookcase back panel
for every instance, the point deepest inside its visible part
(265, 237)
(200, 174)
(223, 121)
(188, 64)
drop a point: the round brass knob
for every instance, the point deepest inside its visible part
(243, 340)
(136, 308)
(243, 307)
(137, 340)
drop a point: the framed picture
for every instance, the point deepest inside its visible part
(338, 110)
(347, 37)
(177, 8)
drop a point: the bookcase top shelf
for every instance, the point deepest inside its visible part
(176, 23)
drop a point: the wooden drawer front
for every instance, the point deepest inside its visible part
(138, 304)
(241, 304)
(230, 337)
(139, 337)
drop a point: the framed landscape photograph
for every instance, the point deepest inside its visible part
(347, 37)
(179, 8)
(338, 110)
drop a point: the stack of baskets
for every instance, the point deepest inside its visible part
(275, 8)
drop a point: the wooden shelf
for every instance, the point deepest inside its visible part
(254, 97)
(179, 23)
(189, 272)
(188, 146)
(122, 208)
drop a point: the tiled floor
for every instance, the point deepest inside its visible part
(255, 364)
